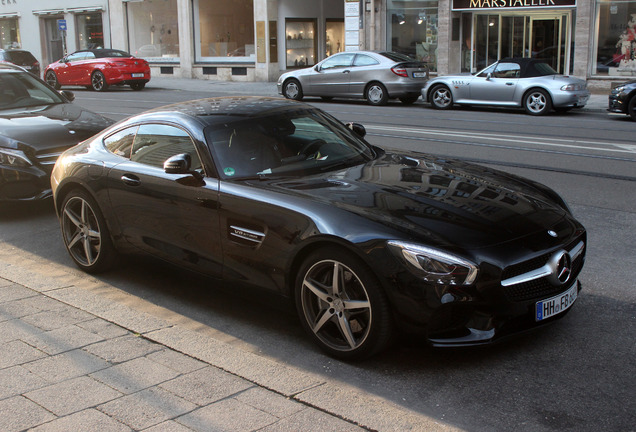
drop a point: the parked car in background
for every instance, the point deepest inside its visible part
(282, 196)
(512, 82)
(37, 124)
(22, 58)
(374, 76)
(622, 99)
(98, 69)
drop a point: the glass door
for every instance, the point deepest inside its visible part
(548, 40)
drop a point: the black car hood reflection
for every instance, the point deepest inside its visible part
(47, 127)
(472, 206)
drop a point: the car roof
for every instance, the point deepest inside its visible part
(10, 67)
(527, 65)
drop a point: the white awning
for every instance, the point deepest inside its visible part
(85, 9)
(49, 12)
(10, 15)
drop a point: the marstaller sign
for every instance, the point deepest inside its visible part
(510, 4)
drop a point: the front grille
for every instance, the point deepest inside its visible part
(47, 158)
(539, 288)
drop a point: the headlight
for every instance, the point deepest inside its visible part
(617, 90)
(436, 266)
(572, 87)
(14, 158)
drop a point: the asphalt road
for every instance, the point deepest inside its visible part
(576, 375)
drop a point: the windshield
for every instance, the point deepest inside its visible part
(20, 89)
(287, 144)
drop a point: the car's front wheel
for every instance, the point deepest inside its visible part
(537, 102)
(98, 81)
(293, 90)
(51, 79)
(85, 234)
(376, 94)
(341, 304)
(631, 108)
(441, 97)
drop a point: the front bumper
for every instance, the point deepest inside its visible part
(616, 105)
(24, 184)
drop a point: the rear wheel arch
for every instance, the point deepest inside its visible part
(549, 104)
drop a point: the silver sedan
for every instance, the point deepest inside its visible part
(513, 82)
(374, 76)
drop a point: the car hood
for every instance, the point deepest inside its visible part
(436, 201)
(49, 126)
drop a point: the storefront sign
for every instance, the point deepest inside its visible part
(352, 20)
(510, 4)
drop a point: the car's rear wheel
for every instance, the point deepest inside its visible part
(441, 97)
(51, 79)
(376, 94)
(409, 100)
(293, 90)
(138, 86)
(537, 102)
(631, 108)
(341, 304)
(98, 81)
(85, 234)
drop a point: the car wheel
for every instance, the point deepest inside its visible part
(137, 86)
(376, 94)
(409, 100)
(563, 109)
(631, 108)
(293, 90)
(537, 102)
(341, 305)
(85, 234)
(51, 79)
(98, 81)
(441, 97)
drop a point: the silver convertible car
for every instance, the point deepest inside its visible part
(374, 76)
(511, 82)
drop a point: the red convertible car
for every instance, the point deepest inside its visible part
(98, 69)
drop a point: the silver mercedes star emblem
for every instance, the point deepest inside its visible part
(561, 265)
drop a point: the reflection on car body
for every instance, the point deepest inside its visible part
(280, 195)
(511, 82)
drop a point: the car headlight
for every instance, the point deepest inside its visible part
(14, 158)
(618, 90)
(435, 266)
(572, 87)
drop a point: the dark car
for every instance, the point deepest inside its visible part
(279, 195)
(37, 124)
(98, 69)
(21, 58)
(622, 99)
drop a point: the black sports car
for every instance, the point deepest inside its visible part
(37, 124)
(280, 195)
(622, 99)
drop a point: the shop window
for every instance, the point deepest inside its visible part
(9, 33)
(153, 30)
(616, 39)
(90, 31)
(334, 36)
(300, 44)
(225, 29)
(413, 30)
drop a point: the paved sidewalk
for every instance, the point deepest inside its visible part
(597, 103)
(79, 354)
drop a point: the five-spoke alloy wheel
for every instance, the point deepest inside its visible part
(51, 79)
(341, 305)
(98, 81)
(85, 234)
(441, 97)
(537, 102)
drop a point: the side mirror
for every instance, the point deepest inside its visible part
(180, 164)
(317, 68)
(68, 95)
(358, 129)
(489, 76)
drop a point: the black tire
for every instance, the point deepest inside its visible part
(441, 97)
(352, 321)
(631, 108)
(376, 94)
(85, 233)
(138, 86)
(293, 90)
(51, 79)
(563, 109)
(409, 100)
(98, 82)
(537, 102)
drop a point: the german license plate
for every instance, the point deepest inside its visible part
(137, 75)
(555, 305)
(419, 74)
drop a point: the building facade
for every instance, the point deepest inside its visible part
(257, 40)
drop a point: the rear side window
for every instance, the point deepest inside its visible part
(155, 143)
(121, 142)
(364, 60)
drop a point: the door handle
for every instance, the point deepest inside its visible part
(346, 71)
(131, 180)
(509, 83)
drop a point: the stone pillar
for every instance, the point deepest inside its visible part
(117, 18)
(583, 37)
(443, 37)
(265, 11)
(186, 41)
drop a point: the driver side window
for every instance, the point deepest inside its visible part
(337, 61)
(507, 70)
